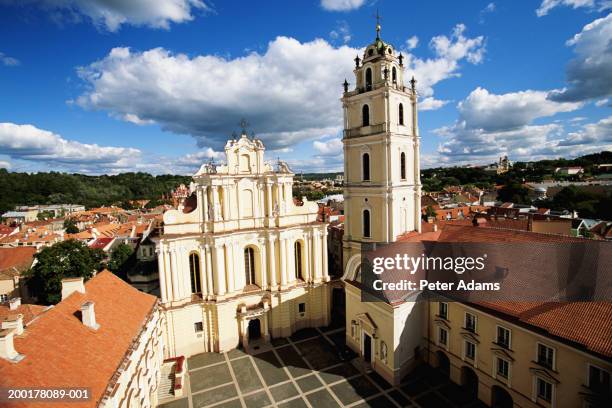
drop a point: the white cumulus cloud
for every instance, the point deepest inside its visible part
(341, 5)
(589, 75)
(111, 14)
(488, 111)
(412, 42)
(491, 125)
(331, 147)
(8, 61)
(27, 142)
(548, 5)
(449, 51)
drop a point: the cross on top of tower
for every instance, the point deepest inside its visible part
(378, 20)
(243, 125)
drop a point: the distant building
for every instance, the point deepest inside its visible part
(569, 171)
(13, 262)
(504, 165)
(55, 210)
(19, 217)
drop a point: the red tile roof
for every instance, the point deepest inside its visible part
(101, 243)
(60, 351)
(29, 312)
(584, 323)
(16, 258)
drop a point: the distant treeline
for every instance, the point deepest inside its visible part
(437, 178)
(91, 191)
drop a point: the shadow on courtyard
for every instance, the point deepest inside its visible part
(309, 369)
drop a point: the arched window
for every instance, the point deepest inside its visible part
(365, 166)
(365, 114)
(249, 266)
(366, 223)
(297, 248)
(194, 273)
(393, 74)
(401, 114)
(403, 166)
(368, 79)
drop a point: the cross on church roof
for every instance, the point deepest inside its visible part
(378, 20)
(243, 125)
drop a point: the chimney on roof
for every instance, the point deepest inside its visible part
(7, 346)
(14, 303)
(70, 285)
(14, 322)
(88, 315)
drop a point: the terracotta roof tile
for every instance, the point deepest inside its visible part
(60, 351)
(29, 312)
(19, 258)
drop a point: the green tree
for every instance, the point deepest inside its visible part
(119, 259)
(66, 259)
(514, 192)
(70, 226)
(430, 212)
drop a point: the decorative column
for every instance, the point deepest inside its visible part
(283, 262)
(219, 278)
(263, 264)
(216, 208)
(324, 258)
(176, 292)
(164, 270)
(204, 208)
(272, 262)
(269, 199)
(309, 257)
(290, 262)
(317, 268)
(203, 274)
(230, 267)
(209, 270)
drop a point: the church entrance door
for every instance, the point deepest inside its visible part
(254, 329)
(367, 348)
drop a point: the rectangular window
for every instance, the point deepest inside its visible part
(546, 356)
(503, 337)
(503, 368)
(3, 298)
(443, 310)
(544, 390)
(442, 336)
(470, 350)
(302, 308)
(198, 327)
(599, 380)
(470, 322)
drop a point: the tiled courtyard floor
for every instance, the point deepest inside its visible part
(305, 371)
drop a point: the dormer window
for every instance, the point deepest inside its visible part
(370, 52)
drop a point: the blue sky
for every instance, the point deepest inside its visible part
(159, 85)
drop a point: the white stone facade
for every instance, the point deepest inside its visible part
(240, 250)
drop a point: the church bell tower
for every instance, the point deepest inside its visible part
(381, 150)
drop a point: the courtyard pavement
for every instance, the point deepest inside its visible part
(305, 370)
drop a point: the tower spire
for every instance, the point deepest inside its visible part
(378, 19)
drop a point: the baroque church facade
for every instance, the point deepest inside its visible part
(239, 260)
(382, 201)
